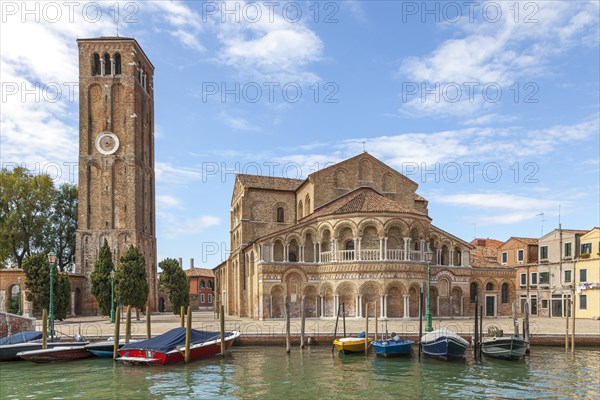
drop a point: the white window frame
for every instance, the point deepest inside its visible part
(202, 298)
(503, 259)
(519, 252)
(580, 302)
(547, 255)
(210, 300)
(536, 279)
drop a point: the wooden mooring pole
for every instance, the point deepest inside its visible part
(420, 318)
(222, 328)
(287, 328)
(188, 334)
(302, 323)
(475, 331)
(376, 328)
(128, 325)
(148, 323)
(366, 328)
(117, 332)
(337, 319)
(44, 328)
(182, 316)
(573, 308)
(567, 310)
(344, 317)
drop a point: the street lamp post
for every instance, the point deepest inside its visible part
(51, 260)
(428, 325)
(112, 296)
(19, 296)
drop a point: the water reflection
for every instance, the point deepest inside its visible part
(270, 373)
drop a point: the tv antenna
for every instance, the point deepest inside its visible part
(543, 220)
(364, 142)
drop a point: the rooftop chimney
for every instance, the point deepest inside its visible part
(191, 263)
(180, 262)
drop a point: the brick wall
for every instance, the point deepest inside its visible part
(15, 322)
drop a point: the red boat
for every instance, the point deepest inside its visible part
(62, 353)
(169, 347)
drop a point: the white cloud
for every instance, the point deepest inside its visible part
(168, 173)
(237, 123)
(165, 201)
(501, 53)
(186, 23)
(175, 226)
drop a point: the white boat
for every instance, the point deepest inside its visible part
(508, 348)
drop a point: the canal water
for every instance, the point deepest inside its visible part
(314, 373)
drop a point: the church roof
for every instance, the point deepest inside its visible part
(269, 182)
(361, 200)
(202, 272)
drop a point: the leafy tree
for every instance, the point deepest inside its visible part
(131, 283)
(175, 282)
(64, 225)
(101, 282)
(62, 292)
(37, 280)
(25, 207)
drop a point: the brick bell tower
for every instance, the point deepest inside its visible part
(116, 157)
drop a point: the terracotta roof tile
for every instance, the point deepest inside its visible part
(200, 272)
(364, 200)
(269, 182)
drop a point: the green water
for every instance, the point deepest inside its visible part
(268, 373)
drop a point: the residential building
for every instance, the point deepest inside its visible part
(587, 276)
(557, 253)
(521, 254)
(202, 283)
(353, 234)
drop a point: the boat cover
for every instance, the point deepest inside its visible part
(439, 333)
(21, 337)
(173, 339)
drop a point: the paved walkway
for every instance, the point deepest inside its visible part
(93, 327)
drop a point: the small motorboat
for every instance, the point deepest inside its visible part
(508, 348)
(24, 341)
(352, 345)
(59, 353)
(105, 348)
(394, 346)
(169, 347)
(443, 343)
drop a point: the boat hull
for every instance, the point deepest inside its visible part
(141, 356)
(444, 347)
(388, 348)
(66, 353)
(104, 349)
(351, 345)
(505, 348)
(9, 352)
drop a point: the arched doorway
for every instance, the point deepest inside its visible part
(161, 304)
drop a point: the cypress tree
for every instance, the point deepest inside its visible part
(175, 282)
(101, 283)
(131, 282)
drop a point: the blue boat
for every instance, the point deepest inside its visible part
(443, 343)
(393, 346)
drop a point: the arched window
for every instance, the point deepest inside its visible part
(107, 67)
(280, 215)
(505, 295)
(117, 64)
(473, 291)
(489, 286)
(292, 257)
(96, 65)
(210, 284)
(202, 284)
(300, 210)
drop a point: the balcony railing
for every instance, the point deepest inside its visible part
(345, 255)
(370, 255)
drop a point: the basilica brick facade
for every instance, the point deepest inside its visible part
(353, 233)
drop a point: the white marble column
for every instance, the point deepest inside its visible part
(334, 249)
(406, 241)
(406, 306)
(322, 305)
(301, 253)
(272, 246)
(422, 248)
(285, 252)
(451, 258)
(315, 253)
(72, 303)
(359, 306)
(358, 255)
(385, 257)
(381, 248)
(355, 249)
(318, 253)
(439, 257)
(382, 306)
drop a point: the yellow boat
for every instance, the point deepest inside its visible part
(351, 345)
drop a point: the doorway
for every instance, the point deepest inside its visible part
(490, 306)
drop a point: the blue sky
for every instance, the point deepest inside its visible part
(491, 107)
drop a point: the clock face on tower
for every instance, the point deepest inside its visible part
(107, 143)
